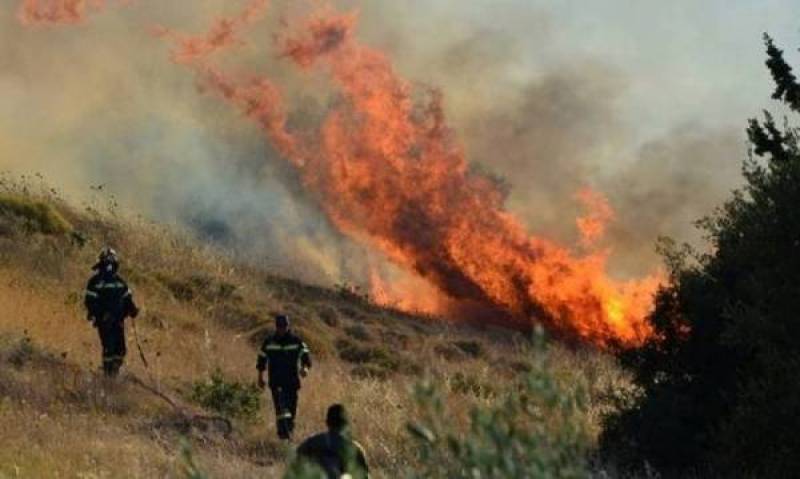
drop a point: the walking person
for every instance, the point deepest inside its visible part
(108, 302)
(286, 358)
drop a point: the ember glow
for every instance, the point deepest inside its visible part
(388, 171)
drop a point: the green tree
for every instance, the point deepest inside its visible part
(718, 387)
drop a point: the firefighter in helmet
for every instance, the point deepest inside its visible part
(286, 358)
(108, 302)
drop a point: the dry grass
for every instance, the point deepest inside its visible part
(202, 311)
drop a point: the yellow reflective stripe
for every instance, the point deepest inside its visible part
(262, 354)
(92, 294)
(278, 347)
(127, 293)
(359, 446)
(286, 415)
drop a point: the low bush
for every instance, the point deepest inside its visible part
(329, 316)
(229, 398)
(467, 384)
(367, 355)
(358, 332)
(30, 216)
(199, 287)
(21, 351)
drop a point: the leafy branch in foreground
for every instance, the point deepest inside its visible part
(538, 430)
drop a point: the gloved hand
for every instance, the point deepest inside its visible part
(261, 382)
(91, 319)
(134, 311)
(303, 372)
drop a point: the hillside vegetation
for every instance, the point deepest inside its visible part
(204, 315)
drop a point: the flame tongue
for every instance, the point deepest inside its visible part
(52, 12)
(223, 34)
(389, 172)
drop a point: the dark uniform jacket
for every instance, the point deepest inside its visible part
(109, 298)
(284, 356)
(336, 454)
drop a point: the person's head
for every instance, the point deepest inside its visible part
(281, 324)
(107, 261)
(336, 419)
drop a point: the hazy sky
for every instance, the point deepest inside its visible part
(683, 60)
(686, 59)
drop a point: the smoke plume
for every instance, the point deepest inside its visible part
(530, 145)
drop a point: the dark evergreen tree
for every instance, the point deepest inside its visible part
(719, 387)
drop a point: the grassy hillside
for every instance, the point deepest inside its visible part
(203, 314)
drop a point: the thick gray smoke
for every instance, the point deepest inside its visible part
(674, 182)
(100, 103)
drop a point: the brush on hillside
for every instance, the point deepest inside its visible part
(202, 422)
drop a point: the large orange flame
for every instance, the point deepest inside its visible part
(388, 171)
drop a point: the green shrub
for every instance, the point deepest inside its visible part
(228, 398)
(376, 356)
(31, 215)
(539, 430)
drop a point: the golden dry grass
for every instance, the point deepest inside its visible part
(202, 312)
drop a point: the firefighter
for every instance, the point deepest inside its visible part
(334, 451)
(108, 302)
(287, 359)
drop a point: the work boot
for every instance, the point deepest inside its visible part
(284, 431)
(111, 368)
